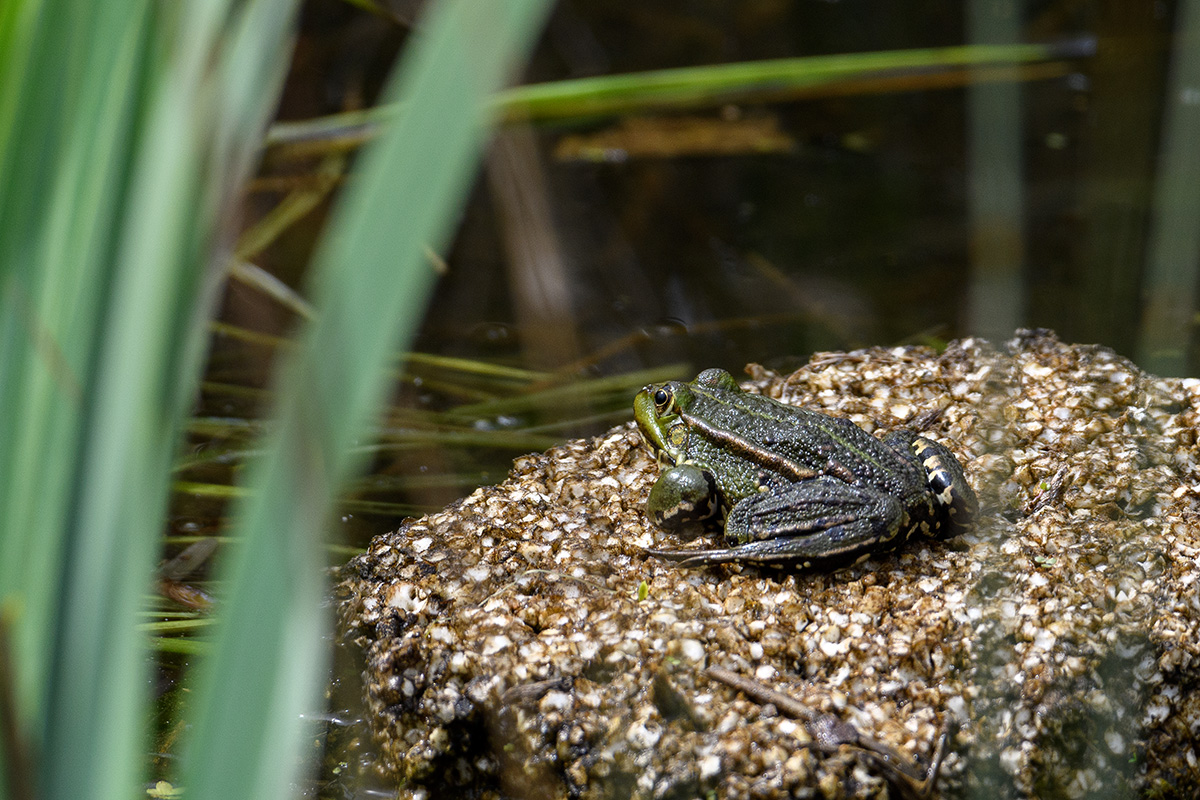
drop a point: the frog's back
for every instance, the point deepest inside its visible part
(809, 440)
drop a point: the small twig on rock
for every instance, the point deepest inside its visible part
(830, 733)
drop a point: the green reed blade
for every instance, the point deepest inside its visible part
(117, 150)
(370, 282)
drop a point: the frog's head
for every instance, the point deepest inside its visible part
(656, 409)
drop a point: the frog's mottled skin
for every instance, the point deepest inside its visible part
(798, 487)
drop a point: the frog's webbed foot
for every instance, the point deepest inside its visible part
(699, 558)
(766, 553)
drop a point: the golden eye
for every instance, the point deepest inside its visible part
(662, 399)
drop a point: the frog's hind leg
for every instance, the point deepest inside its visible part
(811, 523)
(814, 521)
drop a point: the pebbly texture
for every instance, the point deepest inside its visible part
(521, 644)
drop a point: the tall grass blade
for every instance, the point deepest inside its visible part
(71, 84)
(371, 279)
(118, 149)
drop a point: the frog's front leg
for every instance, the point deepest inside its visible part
(684, 494)
(812, 522)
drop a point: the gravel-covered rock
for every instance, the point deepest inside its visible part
(520, 643)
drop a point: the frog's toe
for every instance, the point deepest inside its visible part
(698, 558)
(795, 552)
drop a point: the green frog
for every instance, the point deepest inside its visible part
(795, 487)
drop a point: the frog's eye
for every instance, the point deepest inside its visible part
(662, 399)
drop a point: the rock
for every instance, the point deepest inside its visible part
(520, 643)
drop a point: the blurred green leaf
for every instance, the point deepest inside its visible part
(124, 128)
(370, 282)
